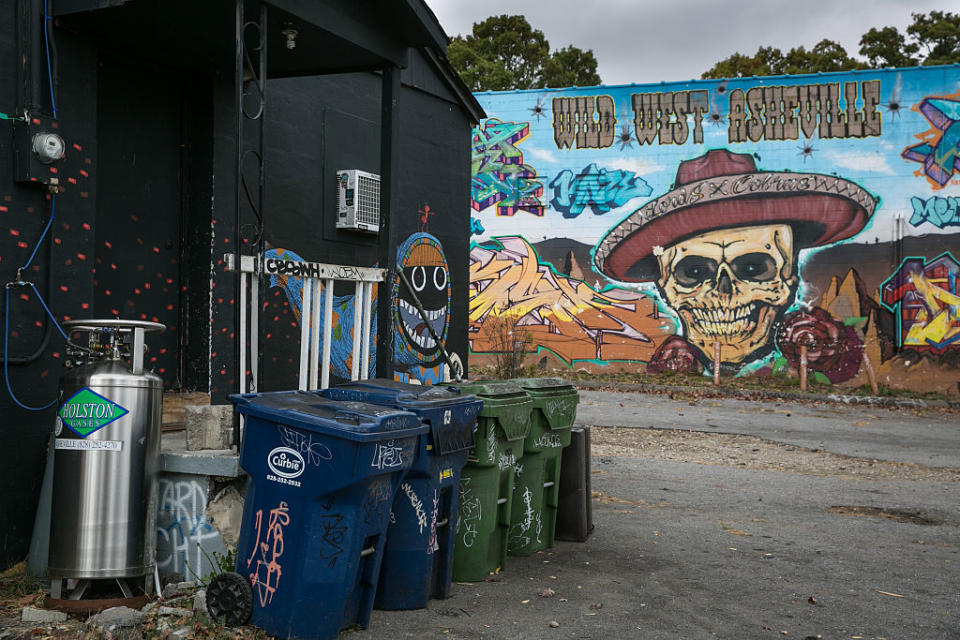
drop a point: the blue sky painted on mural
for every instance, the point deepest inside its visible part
(875, 163)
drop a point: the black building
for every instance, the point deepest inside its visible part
(181, 120)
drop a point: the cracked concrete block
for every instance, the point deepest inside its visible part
(116, 618)
(174, 611)
(42, 616)
(200, 601)
(225, 511)
(208, 426)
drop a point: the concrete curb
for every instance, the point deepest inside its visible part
(760, 394)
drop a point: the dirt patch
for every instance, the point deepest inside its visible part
(749, 452)
(900, 515)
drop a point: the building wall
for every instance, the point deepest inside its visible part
(147, 212)
(638, 227)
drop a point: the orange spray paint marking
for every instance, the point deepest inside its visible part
(265, 574)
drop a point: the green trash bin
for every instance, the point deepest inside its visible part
(486, 482)
(536, 486)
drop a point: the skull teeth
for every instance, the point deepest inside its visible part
(725, 321)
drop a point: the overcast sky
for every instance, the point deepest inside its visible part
(638, 41)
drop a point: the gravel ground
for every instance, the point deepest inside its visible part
(749, 452)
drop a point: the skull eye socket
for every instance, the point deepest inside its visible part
(694, 270)
(756, 267)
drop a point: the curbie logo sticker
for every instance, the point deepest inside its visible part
(285, 462)
(87, 411)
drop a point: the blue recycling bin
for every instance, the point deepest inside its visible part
(322, 476)
(418, 559)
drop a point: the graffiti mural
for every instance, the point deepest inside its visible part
(341, 345)
(417, 355)
(753, 215)
(926, 298)
(499, 176)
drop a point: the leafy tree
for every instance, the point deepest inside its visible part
(505, 52)
(826, 55)
(937, 34)
(570, 67)
(887, 47)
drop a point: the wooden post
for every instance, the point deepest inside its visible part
(716, 363)
(871, 374)
(803, 367)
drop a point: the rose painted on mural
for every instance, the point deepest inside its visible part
(677, 355)
(832, 348)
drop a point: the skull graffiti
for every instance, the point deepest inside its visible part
(730, 286)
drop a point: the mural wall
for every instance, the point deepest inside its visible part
(642, 227)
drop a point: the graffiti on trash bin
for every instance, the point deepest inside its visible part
(265, 574)
(492, 445)
(387, 456)
(417, 505)
(507, 460)
(376, 504)
(530, 524)
(469, 513)
(334, 533)
(432, 544)
(548, 441)
(313, 452)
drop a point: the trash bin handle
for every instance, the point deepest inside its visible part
(347, 416)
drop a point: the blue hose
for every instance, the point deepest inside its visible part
(46, 42)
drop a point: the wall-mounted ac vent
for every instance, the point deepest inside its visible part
(358, 200)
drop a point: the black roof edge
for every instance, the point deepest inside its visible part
(469, 103)
(431, 25)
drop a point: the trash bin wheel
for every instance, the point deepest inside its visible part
(230, 599)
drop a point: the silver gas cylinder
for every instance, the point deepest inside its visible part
(106, 452)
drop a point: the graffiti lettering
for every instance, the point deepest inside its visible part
(469, 512)
(926, 296)
(313, 452)
(334, 533)
(663, 116)
(778, 112)
(569, 317)
(184, 533)
(590, 121)
(499, 176)
(940, 212)
(600, 189)
(417, 505)
(940, 153)
(387, 456)
(376, 504)
(432, 544)
(265, 575)
(549, 440)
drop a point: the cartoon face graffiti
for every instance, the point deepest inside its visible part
(425, 267)
(730, 285)
(722, 246)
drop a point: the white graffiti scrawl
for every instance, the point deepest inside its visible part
(186, 539)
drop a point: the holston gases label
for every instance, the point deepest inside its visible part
(87, 411)
(287, 464)
(88, 445)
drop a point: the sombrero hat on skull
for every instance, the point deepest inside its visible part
(722, 190)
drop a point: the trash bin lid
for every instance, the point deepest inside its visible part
(504, 401)
(451, 414)
(401, 394)
(491, 389)
(543, 384)
(357, 421)
(556, 397)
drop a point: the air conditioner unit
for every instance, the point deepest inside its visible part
(358, 200)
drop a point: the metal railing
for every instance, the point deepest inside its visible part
(317, 284)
